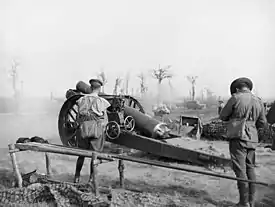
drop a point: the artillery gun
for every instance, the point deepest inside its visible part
(129, 126)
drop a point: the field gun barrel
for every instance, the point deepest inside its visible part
(149, 126)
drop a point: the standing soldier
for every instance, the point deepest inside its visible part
(245, 114)
(92, 117)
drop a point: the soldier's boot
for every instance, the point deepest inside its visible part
(243, 195)
(76, 179)
(252, 194)
(79, 165)
(242, 205)
(252, 200)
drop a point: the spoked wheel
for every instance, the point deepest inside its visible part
(129, 102)
(112, 130)
(67, 124)
(129, 123)
(133, 103)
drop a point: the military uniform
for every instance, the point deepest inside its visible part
(242, 150)
(91, 107)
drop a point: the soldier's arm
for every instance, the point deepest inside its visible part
(227, 110)
(261, 121)
(102, 105)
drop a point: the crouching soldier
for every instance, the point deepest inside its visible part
(245, 114)
(92, 119)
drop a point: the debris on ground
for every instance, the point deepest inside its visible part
(38, 189)
(211, 150)
(41, 190)
(216, 130)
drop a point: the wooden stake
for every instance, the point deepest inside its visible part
(94, 157)
(15, 166)
(48, 164)
(121, 168)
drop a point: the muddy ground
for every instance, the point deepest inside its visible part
(189, 189)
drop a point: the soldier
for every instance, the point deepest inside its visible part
(91, 107)
(243, 104)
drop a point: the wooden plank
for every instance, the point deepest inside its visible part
(187, 169)
(52, 148)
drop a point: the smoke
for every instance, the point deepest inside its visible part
(24, 114)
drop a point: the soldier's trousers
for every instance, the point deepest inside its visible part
(243, 160)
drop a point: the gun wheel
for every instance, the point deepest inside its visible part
(129, 123)
(67, 122)
(112, 130)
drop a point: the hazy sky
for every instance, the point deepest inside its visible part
(59, 42)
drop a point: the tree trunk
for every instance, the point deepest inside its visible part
(159, 93)
(193, 92)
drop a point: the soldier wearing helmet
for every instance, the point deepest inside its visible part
(243, 105)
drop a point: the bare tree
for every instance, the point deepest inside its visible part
(171, 91)
(127, 79)
(121, 91)
(143, 87)
(51, 96)
(103, 77)
(117, 85)
(14, 75)
(161, 74)
(192, 80)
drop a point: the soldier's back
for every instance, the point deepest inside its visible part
(245, 101)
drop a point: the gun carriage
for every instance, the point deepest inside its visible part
(129, 126)
(117, 119)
